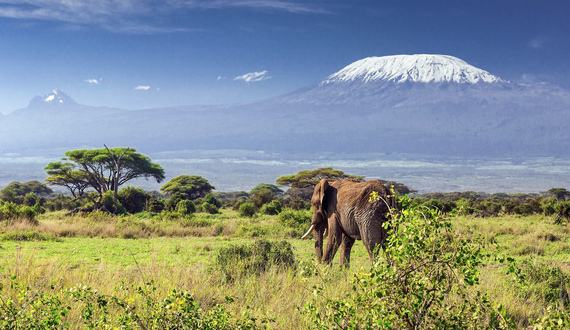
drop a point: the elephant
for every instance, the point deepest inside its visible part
(344, 209)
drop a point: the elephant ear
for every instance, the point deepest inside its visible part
(323, 188)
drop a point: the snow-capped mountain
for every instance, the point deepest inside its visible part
(425, 104)
(56, 98)
(419, 68)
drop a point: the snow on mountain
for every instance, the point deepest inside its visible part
(419, 68)
(55, 98)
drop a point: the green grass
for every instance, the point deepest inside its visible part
(63, 252)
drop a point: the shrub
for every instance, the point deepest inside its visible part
(133, 199)
(209, 208)
(247, 209)
(211, 199)
(264, 193)
(13, 211)
(190, 186)
(562, 209)
(111, 204)
(155, 205)
(271, 208)
(236, 261)
(423, 279)
(185, 207)
(295, 218)
(130, 307)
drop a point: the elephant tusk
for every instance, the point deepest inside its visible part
(325, 233)
(308, 232)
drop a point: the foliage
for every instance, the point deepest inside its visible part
(237, 261)
(13, 211)
(15, 192)
(185, 207)
(190, 186)
(103, 170)
(209, 208)
(424, 279)
(295, 218)
(247, 209)
(111, 204)
(271, 208)
(130, 307)
(546, 282)
(310, 178)
(133, 199)
(155, 205)
(264, 193)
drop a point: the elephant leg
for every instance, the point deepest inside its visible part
(334, 239)
(347, 243)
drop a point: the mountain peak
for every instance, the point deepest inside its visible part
(55, 98)
(418, 68)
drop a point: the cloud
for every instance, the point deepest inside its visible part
(142, 88)
(94, 81)
(254, 76)
(134, 16)
(536, 43)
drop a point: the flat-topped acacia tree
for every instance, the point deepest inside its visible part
(102, 170)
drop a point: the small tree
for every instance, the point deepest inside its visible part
(190, 186)
(102, 170)
(133, 199)
(264, 193)
(310, 178)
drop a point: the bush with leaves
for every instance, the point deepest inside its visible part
(264, 193)
(185, 207)
(247, 209)
(236, 261)
(133, 199)
(272, 208)
(209, 208)
(295, 218)
(423, 279)
(129, 307)
(13, 211)
(111, 204)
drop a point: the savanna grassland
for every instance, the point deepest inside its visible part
(70, 262)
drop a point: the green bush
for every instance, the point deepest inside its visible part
(13, 211)
(247, 209)
(272, 208)
(562, 209)
(264, 193)
(133, 199)
(236, 261)
(295, 218)
(155, 205)
(209, 208)
(130, 307)
(185, 207)
(111, 204)
(211, 199)
(423, 279)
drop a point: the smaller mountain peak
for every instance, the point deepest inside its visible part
(55, 98)
(417, 68)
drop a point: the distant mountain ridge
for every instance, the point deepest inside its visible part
(426, 104)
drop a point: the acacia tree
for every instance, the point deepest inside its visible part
(310, 178)
(187, 187)
(102, 170)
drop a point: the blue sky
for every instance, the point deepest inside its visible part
(146, 53)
